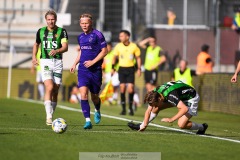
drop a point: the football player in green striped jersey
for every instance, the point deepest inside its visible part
(53, 42)
(171, 94)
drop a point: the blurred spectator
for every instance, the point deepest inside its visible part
(153, 59)
(107, 69)
(75, 95)
(171, 18)
(183, 73)
(236, 20)
(55, 5)
(136, 101)
(204, 61)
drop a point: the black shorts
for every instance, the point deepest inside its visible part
(126, 74)
(151, 76)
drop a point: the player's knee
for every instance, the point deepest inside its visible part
(84, 96)
(49, 88)
(181, 125)
(95, 99)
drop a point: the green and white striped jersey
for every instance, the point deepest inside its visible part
(173, 92)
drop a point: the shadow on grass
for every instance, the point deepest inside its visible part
(7, 133)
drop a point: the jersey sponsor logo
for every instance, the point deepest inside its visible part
(46, 68)
(50, 44)
(86, 47)
(186, 90)
(173, 96)
(90, 38)
(64, 34)
(173, 103)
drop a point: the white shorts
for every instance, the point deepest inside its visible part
(52, 69)
(114, 78)
(192, 105)
(39, 77)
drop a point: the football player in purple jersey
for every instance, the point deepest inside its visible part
(93, 48)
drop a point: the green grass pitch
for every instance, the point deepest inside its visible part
(24, 135)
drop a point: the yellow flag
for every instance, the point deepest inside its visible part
(107, 92)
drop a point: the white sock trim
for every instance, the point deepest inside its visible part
(48, 109)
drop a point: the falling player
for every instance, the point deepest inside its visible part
(178, 94)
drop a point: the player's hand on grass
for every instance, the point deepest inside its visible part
(166, 120)
(234, 78)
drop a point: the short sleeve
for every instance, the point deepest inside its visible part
(64, 36)
(101, 39)
(116, 50)
(38, 39)
(137, 51)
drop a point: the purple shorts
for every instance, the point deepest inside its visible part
(92, 80)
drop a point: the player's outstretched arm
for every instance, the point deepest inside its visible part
(143, 126)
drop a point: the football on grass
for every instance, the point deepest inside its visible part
(59, 125)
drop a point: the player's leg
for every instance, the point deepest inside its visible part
(97, 103)
(123, 98)
(147, 78)
(83, 84)
(48, 100)
(40, 85)
(122, 79)
(57, 77)
(95, 87)
(130, 78)
(130, 89)
(153, 82)
(85, 106)
(115, 83)
(185, 123)
(47, 76)
(55, 96)
(192, 110)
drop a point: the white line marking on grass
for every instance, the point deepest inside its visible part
(128, 120)
(27, 129)
(90, 131)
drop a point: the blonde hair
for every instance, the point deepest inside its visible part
(86, 15)
(51, 12)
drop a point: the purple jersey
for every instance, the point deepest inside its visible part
(91, 45)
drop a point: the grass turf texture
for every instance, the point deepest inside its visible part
(24, 135)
